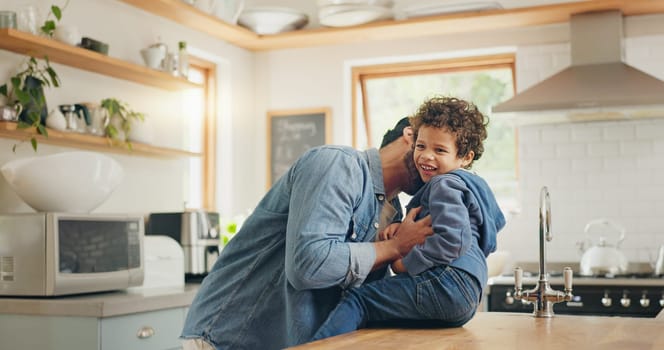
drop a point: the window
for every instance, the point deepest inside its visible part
(384, 94)
(200, 107)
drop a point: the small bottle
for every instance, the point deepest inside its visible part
(183, 60)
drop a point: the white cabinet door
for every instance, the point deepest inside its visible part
(156, 330)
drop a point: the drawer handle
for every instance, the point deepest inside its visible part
(145, 332)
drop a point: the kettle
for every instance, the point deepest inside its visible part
(602, 258)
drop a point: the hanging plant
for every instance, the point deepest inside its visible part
(48, 28)
(26, 88)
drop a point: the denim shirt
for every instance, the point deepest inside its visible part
(283, 272)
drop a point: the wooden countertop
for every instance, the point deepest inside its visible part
(102, 304)
(511, 331)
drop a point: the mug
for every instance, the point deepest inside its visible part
(10, 113)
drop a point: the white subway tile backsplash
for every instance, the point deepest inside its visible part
(538, 151)
(553, 166)
(570, 150)
(658, 147)
(630, 148)
(556, 135)
(597, 149)
(619, 163)
(583, 133)
(650, 161)
(619, 131)
(652, 129)
(585, 165)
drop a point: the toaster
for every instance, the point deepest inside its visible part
(197, 231)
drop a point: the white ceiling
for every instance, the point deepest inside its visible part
(310, 7)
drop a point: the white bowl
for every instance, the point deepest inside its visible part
(272, 20)
(69, 182)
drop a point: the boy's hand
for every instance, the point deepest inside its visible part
(389, 231)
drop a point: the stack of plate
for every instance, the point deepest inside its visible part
(272, 20)
(419, 8)
(345, 13)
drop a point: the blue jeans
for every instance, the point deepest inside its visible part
(439, 297)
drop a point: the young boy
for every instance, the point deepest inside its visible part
(439, 283)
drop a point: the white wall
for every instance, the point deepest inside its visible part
(602, 167)
(150, 184)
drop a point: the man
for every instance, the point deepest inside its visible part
(312, 235)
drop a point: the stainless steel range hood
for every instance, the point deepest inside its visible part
(597, 80)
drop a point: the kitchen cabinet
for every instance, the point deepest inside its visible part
(146, 319)
(190, 16)
(156, 330)
(39, 47)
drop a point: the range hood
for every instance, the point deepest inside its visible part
(598, 84)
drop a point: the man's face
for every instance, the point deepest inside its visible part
(414, 180)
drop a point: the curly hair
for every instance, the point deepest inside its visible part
(460, 117)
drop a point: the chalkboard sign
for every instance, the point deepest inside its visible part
(290, 134)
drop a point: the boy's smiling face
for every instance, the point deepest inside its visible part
(436, 152)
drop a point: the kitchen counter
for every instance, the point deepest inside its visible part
(102, 304)
(509, 331)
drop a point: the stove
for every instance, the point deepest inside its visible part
(631, 295)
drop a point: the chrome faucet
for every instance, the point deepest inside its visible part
(542, 296)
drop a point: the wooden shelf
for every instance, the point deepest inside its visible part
(91, 142)
(189, 16)
(38, 47)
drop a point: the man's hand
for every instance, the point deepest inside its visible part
(408, 234)
(412, 232)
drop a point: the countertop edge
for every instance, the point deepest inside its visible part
(102, 304)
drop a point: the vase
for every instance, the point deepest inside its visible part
(37, 103)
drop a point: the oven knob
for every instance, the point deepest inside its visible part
(509, 299)
(644, 301)
(625, 301)
(606, 301)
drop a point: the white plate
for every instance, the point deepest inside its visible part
(432, 8)
(352, 16)
(384, 3)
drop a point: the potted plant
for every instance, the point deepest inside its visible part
(27, 89)
(121, 117)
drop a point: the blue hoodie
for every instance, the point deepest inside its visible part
(465, 219)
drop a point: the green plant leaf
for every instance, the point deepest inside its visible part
(56, 12)
(3, 90)
(16, 82)
(14, 148)
(23, 125)
(42, 130)
(54, 76)
(33, 142)
(48, 27)
(22, 96)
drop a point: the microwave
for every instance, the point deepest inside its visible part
(52, 254)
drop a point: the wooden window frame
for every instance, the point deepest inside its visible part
(361, 74)
(209, 136)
